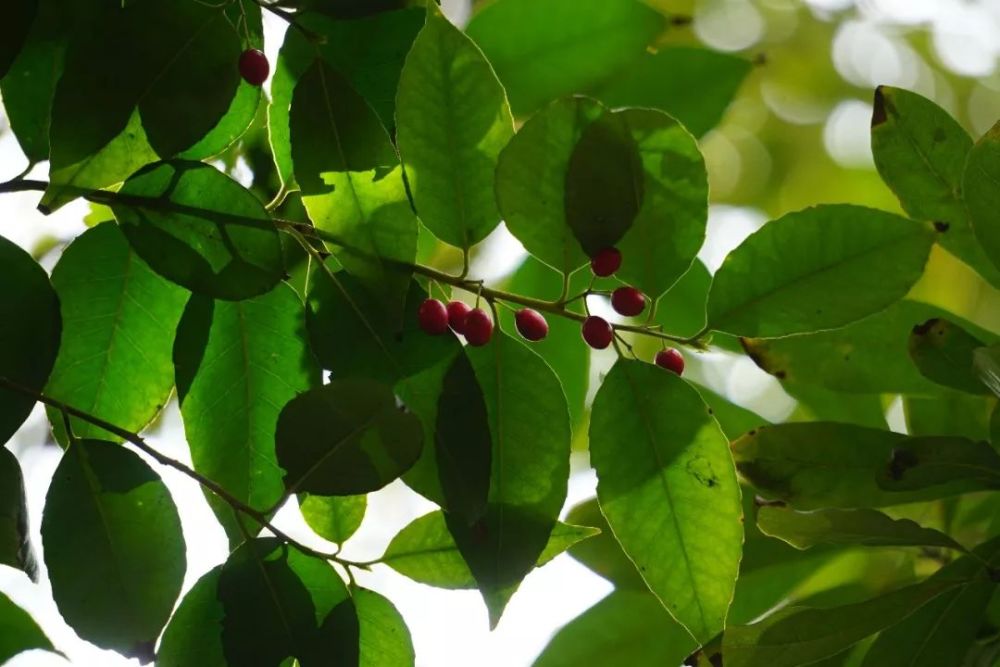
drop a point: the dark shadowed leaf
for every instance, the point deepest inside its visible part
(29, 332)
(18, 18)
(920, 153)
(119, 319)
(820, 268)
(334, 518)
(452, 120)
(384, 638)
(352, 183)
(982, 194)
(986, 361)
(20, 632)
(352, 336)
(237, 363)
(346, 438)
(625, 629)
(106, 503)
(542, 51)
(928, 462)
(199, 228)
(177, 81)
(856, 527)
(194, 634)
(425, 551)
(952, 413)
(694, 85)
(667, 485)
(15, 540)
(942, 351)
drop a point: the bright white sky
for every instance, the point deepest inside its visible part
(450, 628)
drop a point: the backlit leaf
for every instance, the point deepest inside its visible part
(15, 540)
(20, 631)
(982, 194)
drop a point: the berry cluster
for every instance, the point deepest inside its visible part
(475, 324)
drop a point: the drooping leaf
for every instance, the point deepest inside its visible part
(942, 351)
(352, 183)
(694, 85)
(463, 443)
(178, 81)
(920, 153)
(530, 433)
(352, 336)
(929, 462)
(815, 465)
(982, 196)
(856, 527)
(14, 31)
(29, 332)
(452, 120)
(334, 518)
(384, 638)
(667, 486)
(939, 633)
(820, 268)
(106, 504)
(345, 438)
(368, 51)
(799, 636)
(542, 51)
(194, 634)
(15, 540)
(237, 363)
(277, 602)
(986, 361)
(425, 551)
(625, 629)
(200, 229)
(20, 631)
(119, 319)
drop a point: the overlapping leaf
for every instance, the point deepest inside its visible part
(15, 540)
(980, 189)
(21, 632)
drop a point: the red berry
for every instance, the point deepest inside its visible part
(670, 359)
(254, 66)
(457, 312)
(628, 301)
(531, 324)
(433, 317)
(606, 262)
(597, 332)
(478, 327)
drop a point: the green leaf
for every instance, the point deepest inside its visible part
(29, 332)
(352, 183)
(602, 553)
(237, 364)
(530, 433)
(928, 461)
(694, 85)
(987, 364)
(947, 625)
(624, 629)
(425, 551)
(334, 518)
(681, 309)
(385, 639)
(15, 541)
(667, 485)
(200, 229)
(119, 319)
(855, 527)
(106, 503)
(20, 632)
(820, 268)
(869, 356)
(180, 78)
(463, 442)
(920, 153)
(981, 191)
(817, 465)
(542, 51)
(14, 31)
(798, 636)
(952, 413)
(345, 438)
(369, 52)
(352, 336)
(277, 602)
(194, 634)
(942, 351)
(452, 120)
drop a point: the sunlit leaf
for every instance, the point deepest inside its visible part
(333, 518)
(384, 639)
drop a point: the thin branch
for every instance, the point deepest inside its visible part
(139, 443)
